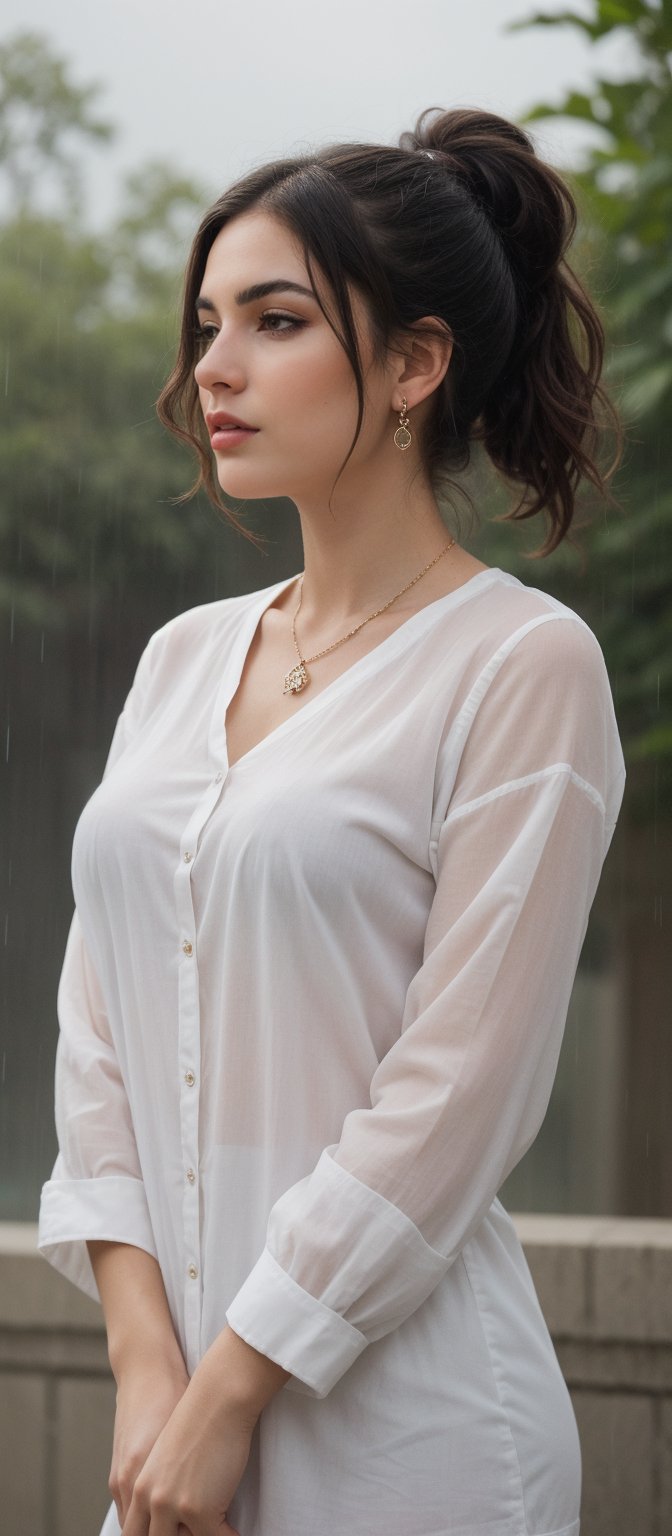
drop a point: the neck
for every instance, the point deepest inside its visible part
(355, 560)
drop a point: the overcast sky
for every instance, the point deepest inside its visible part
(216, 87)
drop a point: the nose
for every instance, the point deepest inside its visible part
(218, 366)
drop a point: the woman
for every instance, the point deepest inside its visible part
(332, 891)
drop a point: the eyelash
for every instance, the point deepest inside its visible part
(207, 332)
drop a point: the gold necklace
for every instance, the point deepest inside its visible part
(298, 677)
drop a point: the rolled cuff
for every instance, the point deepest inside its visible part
(74, 1211)
(277, 1317)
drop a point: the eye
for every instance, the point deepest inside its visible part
(204, 334)
(290, 321)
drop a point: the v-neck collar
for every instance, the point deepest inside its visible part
(392, 645)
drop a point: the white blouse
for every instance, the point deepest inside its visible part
(310, 1014)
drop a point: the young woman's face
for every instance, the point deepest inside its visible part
(274, 363)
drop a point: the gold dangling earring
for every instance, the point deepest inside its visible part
(402, 436)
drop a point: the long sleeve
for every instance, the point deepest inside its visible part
(529, 787)
(96, 1189)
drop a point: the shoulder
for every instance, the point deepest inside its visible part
(200, 621)
(539, 703)
(537, 642)
(199, 633)
(177, 654)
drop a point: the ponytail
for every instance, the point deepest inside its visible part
(542, 416)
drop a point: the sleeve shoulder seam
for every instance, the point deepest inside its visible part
(507, 646)
(521, 783)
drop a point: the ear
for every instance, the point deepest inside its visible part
(425, 359)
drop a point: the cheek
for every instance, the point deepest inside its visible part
(318, 383)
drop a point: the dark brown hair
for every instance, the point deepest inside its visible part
(462, 222)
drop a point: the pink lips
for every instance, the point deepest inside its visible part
(217, 419)
(227, 431)
(229, 437)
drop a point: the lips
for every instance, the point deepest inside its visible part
(219, 421)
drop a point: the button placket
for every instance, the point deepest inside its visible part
(189, 1047)
(189, 1060)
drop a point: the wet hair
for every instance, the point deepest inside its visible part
(461, 223)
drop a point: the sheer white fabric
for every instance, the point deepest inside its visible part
(310, 1013)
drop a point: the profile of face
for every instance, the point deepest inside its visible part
(275, 363)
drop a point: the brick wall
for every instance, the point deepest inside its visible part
(605, 1285)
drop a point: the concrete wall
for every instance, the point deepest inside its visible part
(605, 1286)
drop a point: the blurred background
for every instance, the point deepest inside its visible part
(118, 126)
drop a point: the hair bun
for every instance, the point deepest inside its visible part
(495, 161)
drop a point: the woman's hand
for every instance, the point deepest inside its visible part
(193, 1471)
(191, 1474)
(145, 1357)
(146, 1398)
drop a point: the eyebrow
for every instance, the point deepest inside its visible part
(259, 291)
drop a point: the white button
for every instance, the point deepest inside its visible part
(191, 1176)
(192, 1272)
(218, 777)
(187, 947)
(187, 858)
(189, 1079)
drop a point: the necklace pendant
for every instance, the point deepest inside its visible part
(296, 679)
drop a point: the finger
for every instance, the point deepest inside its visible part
(121, 1488)
(136, 1520)
(223, 1529)
(122, 1495)
(167, 1520)
(116, 1495)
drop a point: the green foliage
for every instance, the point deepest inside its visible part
(86, 471)
(39, 109)
(88, 327)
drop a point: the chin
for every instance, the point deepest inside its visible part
(245, 480)
(233, 483)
